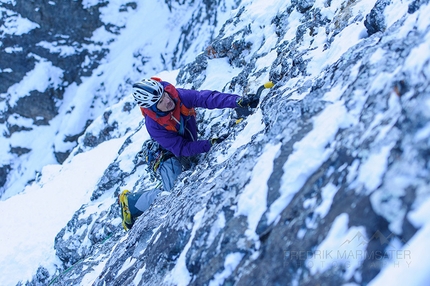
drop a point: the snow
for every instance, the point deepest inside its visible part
(327, 194)
(15, 24)
(218, 71)
(129, 262)
(252, 201)
(231, 262)
(28, 236)
(410, 266)
(139, 275)
(63, 51)
(293, 22)
(49, 203)
(92, 276)
(372, 170)
(89, 3)
(395, 11)
(419, 216)
(254, 125)
(43, 76)
(216, 228)
(349, 37)
(40, 78)
(309, 154)
(180, 275)
(342, 246)
(423, 133)
(109, 77)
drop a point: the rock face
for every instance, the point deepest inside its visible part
(63, 41)
(344, 141)
(56, 28)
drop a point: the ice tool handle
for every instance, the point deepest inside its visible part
(244, 112)
(268, 84)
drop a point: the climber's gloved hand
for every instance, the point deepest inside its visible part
(245, 104)
(249, 100)
(219, 139)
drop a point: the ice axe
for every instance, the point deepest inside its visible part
(268, 84)
(245, 111)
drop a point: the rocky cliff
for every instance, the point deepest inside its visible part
(323, 184)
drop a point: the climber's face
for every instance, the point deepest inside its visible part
(166, 103)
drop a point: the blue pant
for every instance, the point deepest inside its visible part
(169, 171)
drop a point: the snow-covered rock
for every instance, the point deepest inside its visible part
(327, 182)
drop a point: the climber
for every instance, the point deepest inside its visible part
(170, 119)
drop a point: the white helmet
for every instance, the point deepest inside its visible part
(147, 92)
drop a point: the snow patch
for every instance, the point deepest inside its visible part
(342, 246)
(44, 75)
(254, 125)
(46, 212)
(180, 275)
(232, 260)
(309, 154)
(252, 201)
(15, 24)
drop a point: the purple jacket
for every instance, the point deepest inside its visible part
(187, 144)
